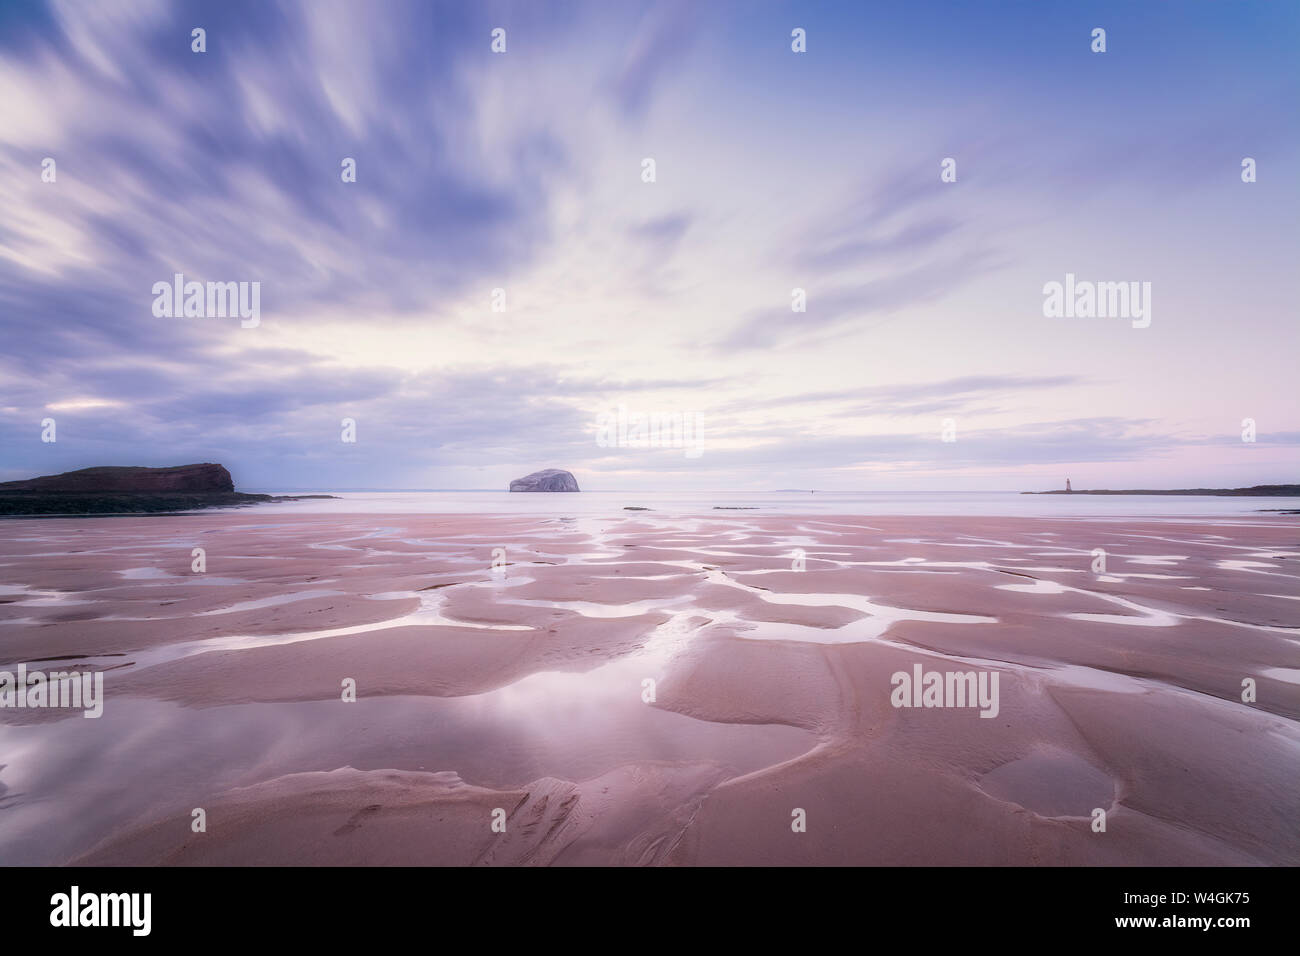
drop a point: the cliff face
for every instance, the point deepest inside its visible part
(205, 478)
(112, 490)
(550, 479)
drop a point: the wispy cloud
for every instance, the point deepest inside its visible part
(521, 172)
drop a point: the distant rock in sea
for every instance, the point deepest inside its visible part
(128, 490)
(549, 479)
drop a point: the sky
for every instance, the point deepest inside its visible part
(774, 170)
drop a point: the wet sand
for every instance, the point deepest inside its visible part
(519, 694)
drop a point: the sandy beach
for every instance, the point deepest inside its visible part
(648, 689)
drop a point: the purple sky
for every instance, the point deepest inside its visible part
(774, 170)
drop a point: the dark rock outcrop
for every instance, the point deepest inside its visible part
(203, 478)
(550, 479)
(128, 490)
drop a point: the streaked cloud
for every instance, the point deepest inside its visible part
(522, 172)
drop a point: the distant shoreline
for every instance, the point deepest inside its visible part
(1256, 491)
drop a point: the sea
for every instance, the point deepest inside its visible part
(994, 503)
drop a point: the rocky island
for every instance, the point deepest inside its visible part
(549, 479)
(128, 490)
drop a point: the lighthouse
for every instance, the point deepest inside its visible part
(1067, 486)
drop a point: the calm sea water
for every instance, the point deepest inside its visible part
(843, 503)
